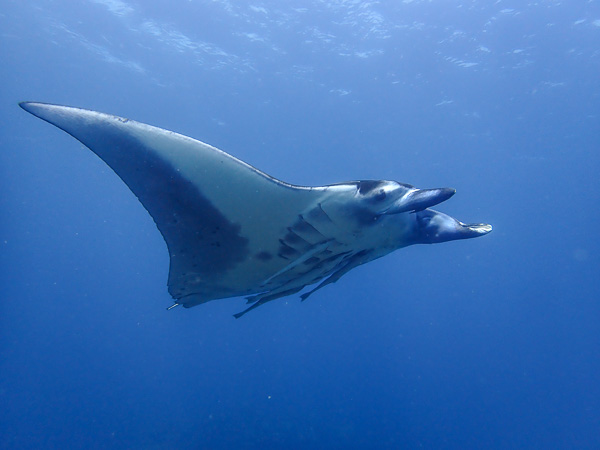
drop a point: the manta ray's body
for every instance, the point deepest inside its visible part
(232, 230)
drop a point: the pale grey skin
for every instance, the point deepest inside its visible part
(232, 230)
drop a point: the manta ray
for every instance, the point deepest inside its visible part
(232, 230)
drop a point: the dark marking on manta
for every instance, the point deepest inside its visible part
(367, 186)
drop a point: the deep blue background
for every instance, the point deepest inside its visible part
(490, 343)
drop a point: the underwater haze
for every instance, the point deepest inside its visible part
(485, 343)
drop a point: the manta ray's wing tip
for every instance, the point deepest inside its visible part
(25, 105)
(36, 108)
(28, 105)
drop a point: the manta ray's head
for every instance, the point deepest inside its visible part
(390, 197)
(434, 227)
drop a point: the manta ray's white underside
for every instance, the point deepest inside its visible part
(231, 229)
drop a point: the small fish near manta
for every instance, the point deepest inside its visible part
(232, 230)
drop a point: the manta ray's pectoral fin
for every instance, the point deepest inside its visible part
(352, 262)
(173, 306)
(211, 208)
(261, 299)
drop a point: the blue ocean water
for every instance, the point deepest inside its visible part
(487, 343)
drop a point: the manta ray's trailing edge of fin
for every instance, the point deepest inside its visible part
(232, 230)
